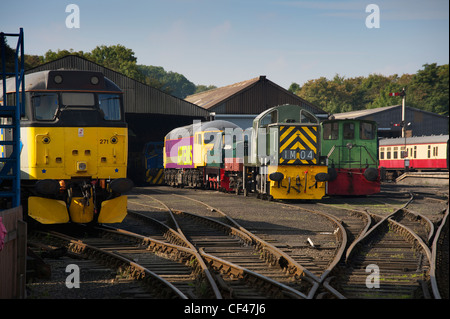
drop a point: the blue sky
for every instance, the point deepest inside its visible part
(228, 41)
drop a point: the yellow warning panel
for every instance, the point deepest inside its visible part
(81, 211)
(47, 211)
(113, 210)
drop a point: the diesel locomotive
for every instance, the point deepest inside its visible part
(351, 147)
(278, 157)
(74, 147)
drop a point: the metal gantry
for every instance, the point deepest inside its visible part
(11, 110)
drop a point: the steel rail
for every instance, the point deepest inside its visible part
(294, 267)
(272, 254)
(200, 260)
(238, 271)
(434, 247)
(117, 260)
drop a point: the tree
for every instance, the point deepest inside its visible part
(201, 88)
(118, 58)
(427, 90)
(294, 87)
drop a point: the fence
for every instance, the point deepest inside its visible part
(13, 254)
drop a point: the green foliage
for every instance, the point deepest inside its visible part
(426, 90)
(123, 60)
(202, 88)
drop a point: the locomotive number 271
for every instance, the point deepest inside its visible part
(104, 141)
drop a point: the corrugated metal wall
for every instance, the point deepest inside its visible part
(420, 122)
(138, 97)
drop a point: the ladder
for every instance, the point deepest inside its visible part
(11, 110)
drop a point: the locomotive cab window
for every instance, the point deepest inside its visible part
(45, 105)
(367, 131)
(110, 105)
(269, 118)
(349, 131)
(306, 117)
(331, 131)
(78, 99)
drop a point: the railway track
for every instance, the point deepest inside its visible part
(248, 266)
(290, 259)
(399, 241)
(166, 271)
(393, 258)
(208, 254)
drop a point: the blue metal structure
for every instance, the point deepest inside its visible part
(11, 109)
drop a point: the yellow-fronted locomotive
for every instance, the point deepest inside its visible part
(284, 159)
(74, 148)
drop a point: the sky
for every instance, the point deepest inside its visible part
(219, 43)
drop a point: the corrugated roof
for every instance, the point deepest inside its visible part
(414, 140)
(249, 97)
(138, 97)
(210, 98)
(362, 113)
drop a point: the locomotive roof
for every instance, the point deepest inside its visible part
(414, 140)
(67, 80)
(217, 125)
(283, 106)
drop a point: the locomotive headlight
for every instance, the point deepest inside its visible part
(81, 166)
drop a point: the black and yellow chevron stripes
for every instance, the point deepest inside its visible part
(157, 179)
(298, 145)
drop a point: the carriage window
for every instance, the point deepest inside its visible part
(366, 131)
(429, 151)
(349, 131)
(306, 117)
(395, 152)
(435, 151)
(78, 99)
(110, 105)
(388, 153)
(45, 105)
(382, 153)
(331, 131)
(415, 151)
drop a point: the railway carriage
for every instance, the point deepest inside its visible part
(74, 148)
(351, 149)
(419, 153)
